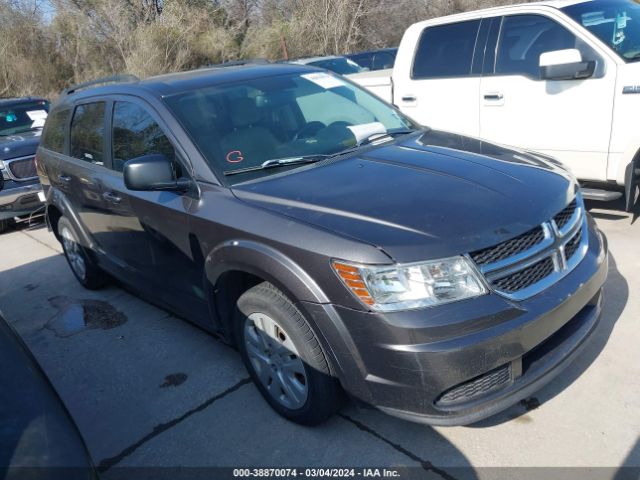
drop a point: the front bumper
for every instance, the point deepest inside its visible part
(19, 198)
(459, 363)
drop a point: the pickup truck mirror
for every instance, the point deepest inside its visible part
(1, 182)
(152, 172)
(565, 65)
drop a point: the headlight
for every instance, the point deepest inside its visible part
(389, 288)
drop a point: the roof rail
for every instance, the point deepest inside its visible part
(101, 81)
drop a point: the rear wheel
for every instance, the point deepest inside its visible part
(83, 266)
(284, 357)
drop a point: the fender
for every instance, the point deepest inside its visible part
(59, 200)
(266, 262)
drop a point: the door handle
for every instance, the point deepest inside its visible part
(112, 197)
(494, 96)
(409, 98)
(64, 178)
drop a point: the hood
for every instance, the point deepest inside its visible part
(19, 145)
(428, 196)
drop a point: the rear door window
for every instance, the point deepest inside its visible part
(446, 51)
(135, 134)
(54, 134)
(87, 133)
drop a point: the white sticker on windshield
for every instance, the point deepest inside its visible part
(367, 130)
(324, 80)
(38, 118)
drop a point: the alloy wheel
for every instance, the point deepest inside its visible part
(74, 253)
(276, 361)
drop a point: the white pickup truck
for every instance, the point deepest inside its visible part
(558, 77)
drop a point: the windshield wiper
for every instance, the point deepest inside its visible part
(280, 162)
(20, 131)
(287, 161)
(373, 139)
(383, 136)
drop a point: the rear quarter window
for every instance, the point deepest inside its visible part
(55, 130)
(446, 51)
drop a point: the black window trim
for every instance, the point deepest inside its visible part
(492, 44)
(475, 48)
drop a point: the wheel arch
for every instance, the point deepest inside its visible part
(58, 205)
(235, 266)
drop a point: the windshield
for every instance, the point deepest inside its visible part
(615, 22)
(241, 126)
(23, 117)
(343, 66)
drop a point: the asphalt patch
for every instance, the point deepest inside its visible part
(75, 316)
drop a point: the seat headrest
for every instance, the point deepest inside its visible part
(244, 112)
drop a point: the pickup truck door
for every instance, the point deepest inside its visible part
(568, 119)
(438, 85)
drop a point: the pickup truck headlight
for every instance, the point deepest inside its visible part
(390, 288)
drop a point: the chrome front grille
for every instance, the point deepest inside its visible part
(526, 277)
(20, 169)
(526, 265)
(507, 249)
(565, 215)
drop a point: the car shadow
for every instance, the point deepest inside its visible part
(614, 210)
(630, 468)
(616, 295)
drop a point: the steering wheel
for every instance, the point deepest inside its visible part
(309, 130)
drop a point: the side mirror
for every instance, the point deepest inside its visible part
(1, 181)
(152, 172)
(565, 65)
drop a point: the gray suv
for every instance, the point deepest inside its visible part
(21, 122)
(338, 245)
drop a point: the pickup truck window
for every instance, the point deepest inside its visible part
(524, 38)
(240, 126)
(615, 22)
(446, 51)
(87, 133)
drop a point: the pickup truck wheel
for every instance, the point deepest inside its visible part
(5, 224)
(631, 181)
(85, 269)
(284, 358)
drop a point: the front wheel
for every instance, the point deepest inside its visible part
(83, 266)
(284, 358)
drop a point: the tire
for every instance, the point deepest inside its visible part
(5, 224)
(82, 264)
(287, 364)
